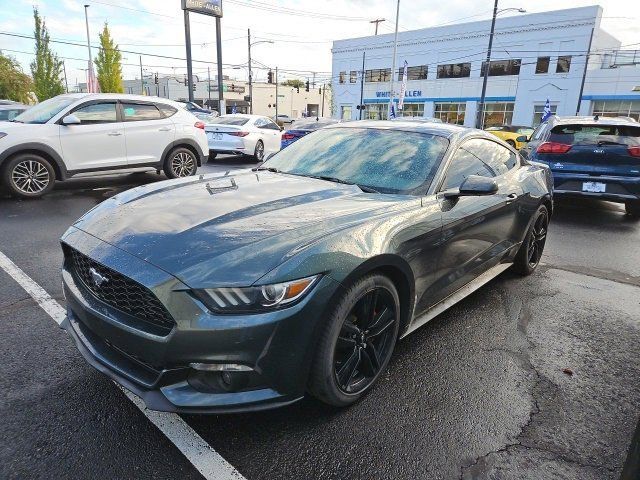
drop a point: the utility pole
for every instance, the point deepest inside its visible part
(64, 70)
(90, 82)
(393, 63)
(361, 89)
(209, 85)
(313, 82)
(187, 41)
(324, 87)
(276, 95)
(485, 77)
(221, 105)
(250, 75)
(377, 21)
(141, 78)
(584, 73)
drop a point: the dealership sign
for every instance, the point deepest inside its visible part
(207, 7)
(408, 93)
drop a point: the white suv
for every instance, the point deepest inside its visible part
(84, 133)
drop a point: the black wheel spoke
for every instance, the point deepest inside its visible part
(349, 328)
(384, 320)
(348, 369)
(372, 356)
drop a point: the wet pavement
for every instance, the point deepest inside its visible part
(534, 378)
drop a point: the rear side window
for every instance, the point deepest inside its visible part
(97, 113)
(137, 112)
(498, 158)
(167, 110)
(582, 134)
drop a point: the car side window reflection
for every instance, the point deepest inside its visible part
(498, 158)
(96, 113)
(463, 165)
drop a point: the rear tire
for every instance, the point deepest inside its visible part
(258, 153)
(357, 341)
(528, 257)
(633, 208)
(28, 175)
(181, 162)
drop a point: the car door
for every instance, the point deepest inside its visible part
(477, 231)
(148, 132)
(98, 142)
(271, 134)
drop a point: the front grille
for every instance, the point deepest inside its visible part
(121, 292)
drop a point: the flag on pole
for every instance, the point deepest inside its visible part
(546, 113)
(92, 82)
(403, 86)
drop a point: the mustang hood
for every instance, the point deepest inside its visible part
(228, 230)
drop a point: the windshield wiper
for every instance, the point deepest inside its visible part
(267, 169)
(364, 188)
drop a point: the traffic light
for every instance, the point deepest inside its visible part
(270, 77)
(185, 81)
(306, 86)
(193, 87)
(297, 89)
(233, 87)
(320, 91)
(155, 79)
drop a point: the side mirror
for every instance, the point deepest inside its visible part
(522, 139)
(474, 185)
(71, 120)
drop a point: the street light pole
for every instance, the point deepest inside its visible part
(485, 77)
(221, 106)
(90, 81)
(250, 80)
(187, 41)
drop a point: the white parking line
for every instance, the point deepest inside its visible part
(204, 458)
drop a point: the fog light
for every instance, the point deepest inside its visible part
(220, 367)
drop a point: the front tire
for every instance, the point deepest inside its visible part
(357, 341)
(633, 208)
(28, 175)
(258, 153)
(181, 162)
(528, 257)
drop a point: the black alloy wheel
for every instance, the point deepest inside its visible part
(528, 257)
(181, 162)
(365, 341)
(356, 341)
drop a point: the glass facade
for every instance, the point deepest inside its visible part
(617, 108)
(499, 68)
(450, 112)
(454, 70)
(497, 113)
(414, 73)
(376, 111)
(345, 112)
(542, 64)
(538, 111)
(564, 64)
(377, 75)
(411, 110)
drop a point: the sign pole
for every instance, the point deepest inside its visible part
(219, 49)
(187, 39)
(276, 95)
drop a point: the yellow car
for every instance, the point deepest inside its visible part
(509, 133)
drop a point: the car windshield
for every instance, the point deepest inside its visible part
(9, 113)
(582, 134)
(388, 161)
(45, 111)
(231, 120)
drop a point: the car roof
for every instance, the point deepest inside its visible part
(243, 115)
(591, 119)
(118, 96)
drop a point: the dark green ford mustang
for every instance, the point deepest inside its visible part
(243, 291)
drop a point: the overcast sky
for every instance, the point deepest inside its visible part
(302, 42)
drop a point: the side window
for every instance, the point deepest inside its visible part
(167, 110)
(97, 113)
(261, 122)
(463, 165)
(271, 125)
(136, 112)
(498, 158)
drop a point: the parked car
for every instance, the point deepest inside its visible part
(591, 157)
(303, 127)
(511, 133)
(195, 108)
(241, 134)
(11, 110)
(207, 118)
(417, 119)
(298, 276)
(86, 133)
(282, 120)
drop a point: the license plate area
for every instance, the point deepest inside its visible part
(594, 187)
(215, 136)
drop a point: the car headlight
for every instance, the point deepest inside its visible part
(259, 298)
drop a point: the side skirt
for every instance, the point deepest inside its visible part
(456, 296)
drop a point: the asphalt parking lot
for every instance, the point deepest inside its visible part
(534, 378)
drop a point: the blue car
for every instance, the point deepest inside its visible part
(590, 157)
(303, 127)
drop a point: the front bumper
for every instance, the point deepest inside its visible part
(618, 188)
(277, 346)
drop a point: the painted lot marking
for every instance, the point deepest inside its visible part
(204, 458)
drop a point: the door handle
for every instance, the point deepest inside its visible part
(114, 134)
(164, 129)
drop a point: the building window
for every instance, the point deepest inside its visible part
(345, 112)
(353, 76)
(411, 110)
(343, 75)
(564, 64)
(454, 70)
(376, 111)
(497, 113)
(538, 112)
(450, 112)
(500, 68)
(414, 73)
(378, 75)
(617, 108)
(542, 65)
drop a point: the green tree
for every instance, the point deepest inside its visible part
(46, 68)
(108, 64)
(14, 83)
(293, 82)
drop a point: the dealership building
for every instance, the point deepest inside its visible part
(535, 57)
